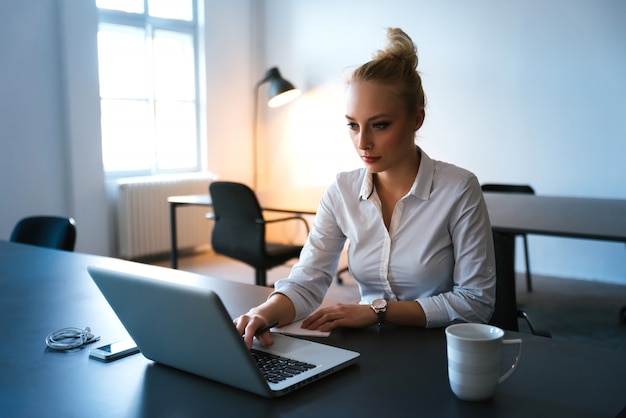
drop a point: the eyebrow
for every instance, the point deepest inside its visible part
(380, 116)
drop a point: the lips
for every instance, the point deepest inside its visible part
(369, 159)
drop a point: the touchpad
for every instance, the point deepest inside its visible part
(286, 346)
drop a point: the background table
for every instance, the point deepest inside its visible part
(574, 217)
(402, 371)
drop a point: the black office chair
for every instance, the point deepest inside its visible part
(341, 272)
(239, 230)
(514, 188)
(46, 231)
(506, 313)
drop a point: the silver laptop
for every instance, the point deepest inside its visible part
(188, 327)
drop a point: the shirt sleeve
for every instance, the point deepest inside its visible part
(315, 270)
(472, 297)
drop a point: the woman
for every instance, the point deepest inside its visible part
(420, 243)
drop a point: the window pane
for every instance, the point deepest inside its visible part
(176, 135)
(129, 6)
(126, 135)
(170, 9)
(122, 62)
(173, 66)
(148, 88)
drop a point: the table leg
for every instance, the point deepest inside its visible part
(174, 244)
(505, 314)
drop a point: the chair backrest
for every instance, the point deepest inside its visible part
(46, 231)
(505, 313)
(508, 188)
(239, 230)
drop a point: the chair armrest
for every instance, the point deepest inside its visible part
(211, 216)
(289, 218)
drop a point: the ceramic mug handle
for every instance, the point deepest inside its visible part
(517, 358)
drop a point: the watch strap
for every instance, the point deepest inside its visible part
(382, 317)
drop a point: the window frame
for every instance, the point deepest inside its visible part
(150, 24)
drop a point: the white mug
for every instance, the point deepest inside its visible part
(474, 360)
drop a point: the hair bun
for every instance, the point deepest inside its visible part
(395, 64)
(399, 47)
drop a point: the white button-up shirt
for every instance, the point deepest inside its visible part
(438, 250)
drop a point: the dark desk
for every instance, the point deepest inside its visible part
(205, 200)
(402, 371)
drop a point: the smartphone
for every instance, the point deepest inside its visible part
(114, 351)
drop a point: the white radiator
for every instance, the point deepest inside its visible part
(143, 215)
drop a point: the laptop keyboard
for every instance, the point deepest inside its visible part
(276, 369)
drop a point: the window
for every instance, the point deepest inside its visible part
(148, 86)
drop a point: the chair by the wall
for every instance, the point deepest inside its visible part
(515, 188)
(46, 231)
(507, 313)
(239, 231)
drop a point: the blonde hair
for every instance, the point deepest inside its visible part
(396, 65)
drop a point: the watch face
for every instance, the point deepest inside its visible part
(379, 304)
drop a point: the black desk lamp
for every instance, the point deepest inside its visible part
(280, 92)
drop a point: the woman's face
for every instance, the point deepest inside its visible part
(382, 131)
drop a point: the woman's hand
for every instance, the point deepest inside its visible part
(340, 315)
(249, 325)
(278, 309)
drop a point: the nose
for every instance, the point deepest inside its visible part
(364, 140)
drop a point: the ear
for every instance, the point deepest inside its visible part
(419, 118)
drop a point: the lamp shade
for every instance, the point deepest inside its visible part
(280, 90)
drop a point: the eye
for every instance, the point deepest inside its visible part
(380, 125)
(353, 126)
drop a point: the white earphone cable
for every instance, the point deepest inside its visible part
(69, 338)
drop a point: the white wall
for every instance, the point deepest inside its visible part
(47, 165)
(81, 103)
(229, 86)
(523, 91)
(30, 118)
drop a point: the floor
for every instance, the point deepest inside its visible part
(574, 310)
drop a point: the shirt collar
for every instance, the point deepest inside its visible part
(421, 186)
(367, 187)
(424, 180)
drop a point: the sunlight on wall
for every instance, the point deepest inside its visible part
(315, 145)
(308, 144)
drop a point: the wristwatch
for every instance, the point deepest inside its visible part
(380, 307)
